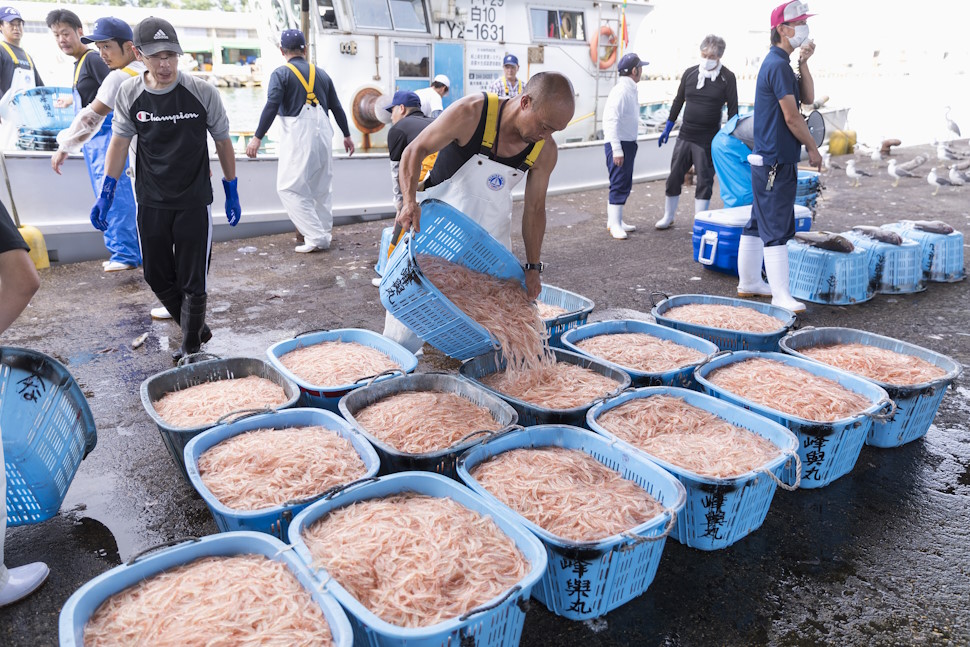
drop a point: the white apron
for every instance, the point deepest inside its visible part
(23, 79)
(305, 173)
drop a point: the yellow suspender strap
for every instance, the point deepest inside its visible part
(531, 157)
(311, 98)
(508, 88)
(491, 121)
(16, 61)
(130, 71)
(77, 69)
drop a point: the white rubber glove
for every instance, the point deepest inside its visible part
(85, 125)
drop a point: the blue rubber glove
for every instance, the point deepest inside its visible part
(233, 210)
(665, 135)
(99, 212)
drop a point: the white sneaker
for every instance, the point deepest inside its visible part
(23, 581)
(116, 266)
(161, 312)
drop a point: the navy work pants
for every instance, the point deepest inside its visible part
(621, 177)
(175, 248)
(773, 212)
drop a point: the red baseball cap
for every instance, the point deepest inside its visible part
(789, 12)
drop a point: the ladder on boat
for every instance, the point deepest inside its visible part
(604, 79)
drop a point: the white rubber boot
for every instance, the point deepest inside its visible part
(776, 266)
(23, 581)
(626, 227)
(701, 205)
(614, 221)
(750, 256)
(670, 210)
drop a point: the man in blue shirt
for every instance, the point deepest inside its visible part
(779, 132)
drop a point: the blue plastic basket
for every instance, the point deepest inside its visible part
(495, 624)
(274, 520)
(828, 450)
(81, 606)
(577, 312)
(719, 511)
(893, 269)
(531, 414)
(383, 253)
(47, 429)
(327, 397)
(942, 253)
(183, 377)
(589, 579)
(411, 298)
(916, 404)
(442, 461)
(726, 339)
(37, 110)
(823, 276)
(681, 376)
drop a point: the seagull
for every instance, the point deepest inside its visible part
(876, 156)
(855, 173)
(897, 172)
(950, 123)
(935, 180)
(946, 153)
(956, 177)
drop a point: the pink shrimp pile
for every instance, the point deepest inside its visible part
(418, 422)
(240, 601)
(415, 560)
(268, 467)
(501, 306)
(549, 311)
(640, 351)
(566, 492)
(878, 364)
(790, 389)
(553, 386)
(335, 363)
(205, 403)
(725, 317)
(689, 437)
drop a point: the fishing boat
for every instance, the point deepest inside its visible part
(371, 49)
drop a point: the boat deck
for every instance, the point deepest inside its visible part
(880, 556)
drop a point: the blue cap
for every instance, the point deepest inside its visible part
(510, 60)
(628, 62)
(292, 39)
(108, 29)
(404, 98)
(9, 14)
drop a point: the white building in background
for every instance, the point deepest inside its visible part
(214, 39)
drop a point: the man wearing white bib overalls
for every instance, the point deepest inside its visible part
(302, 94)
(17, 71)
(487, 145)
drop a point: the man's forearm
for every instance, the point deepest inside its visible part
(806, 83)
(408, 172)
(533, 231)
(117, 154)
(227, 158)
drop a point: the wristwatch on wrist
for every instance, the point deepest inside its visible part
(534, 266)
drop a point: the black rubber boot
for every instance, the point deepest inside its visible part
(194, 331)
(172, 300)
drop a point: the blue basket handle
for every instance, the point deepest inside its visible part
(658, 294)
(373, 378)
(798, 473)
(503, 432)
(337, 489)
(486, 432)
(884, 417)
(309, 332)
(718, 353)
(488, 607)
(636, 540)
(191, 358)
(164, 544)
(246, 413)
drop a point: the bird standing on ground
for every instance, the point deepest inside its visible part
(956, 177)
(946, 153)
(950, 124)
(935, 180)
(897, 172)
(855, 173)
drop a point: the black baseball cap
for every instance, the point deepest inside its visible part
(154, 35)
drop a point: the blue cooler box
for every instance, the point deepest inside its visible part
(718, 231)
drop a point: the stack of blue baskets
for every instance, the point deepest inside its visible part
(40, 119)
(893, 269)
(823, 276)
(807, 190)
(942, 253)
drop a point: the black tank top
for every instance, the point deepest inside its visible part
(452, 157)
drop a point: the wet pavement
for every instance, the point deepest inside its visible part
(880, 557)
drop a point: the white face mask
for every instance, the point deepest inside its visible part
(801, 35)
(708, 63)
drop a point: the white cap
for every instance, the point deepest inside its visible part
(443, 80)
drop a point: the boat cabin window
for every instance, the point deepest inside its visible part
(412, 61)
(328, 17)
(400, 15)
(554, 24)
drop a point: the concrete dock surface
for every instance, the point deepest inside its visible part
(879, 557)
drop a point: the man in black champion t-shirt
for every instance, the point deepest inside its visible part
(170, 113)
